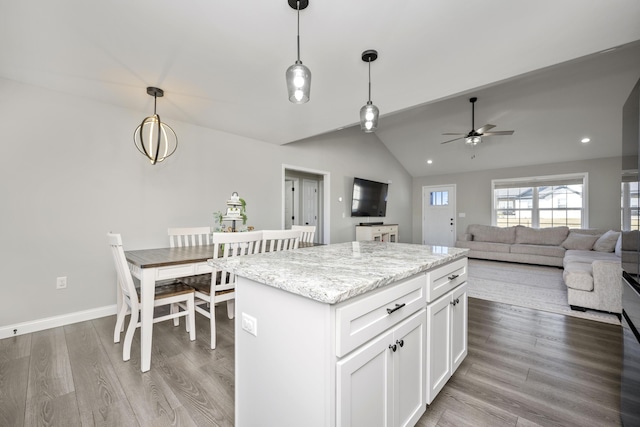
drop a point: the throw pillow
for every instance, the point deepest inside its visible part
(606, 242)
(581, 242)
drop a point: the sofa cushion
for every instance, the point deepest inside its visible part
(587, 256)
(607, 242)
(483, 246)
(489, 233)
(578, 275)
(554, 251)
(579, 241)
(553, 236)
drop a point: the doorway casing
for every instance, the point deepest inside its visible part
(325, 190)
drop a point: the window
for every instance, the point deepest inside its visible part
(630, 213)
(439, 198)
(545, 201)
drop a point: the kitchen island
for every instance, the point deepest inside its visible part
(339, 335)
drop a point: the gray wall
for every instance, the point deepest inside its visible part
(474, 192)
(70, 173)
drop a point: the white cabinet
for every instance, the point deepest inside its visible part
(382, 383)
(378, 233)
(446, 338)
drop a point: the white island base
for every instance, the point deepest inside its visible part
(373, 359)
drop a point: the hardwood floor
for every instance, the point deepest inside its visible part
(524, 368)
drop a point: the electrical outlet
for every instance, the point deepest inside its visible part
(250, 324)
(61, 282)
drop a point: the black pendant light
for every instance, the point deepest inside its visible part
(154, 139)
(369, 113)
(298, 76)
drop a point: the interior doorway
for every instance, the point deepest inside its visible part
(439, 215)
(305, 200)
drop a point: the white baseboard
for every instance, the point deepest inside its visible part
(55, 321)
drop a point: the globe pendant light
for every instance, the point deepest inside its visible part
(369, 113)
(155, 139)
(298, 76)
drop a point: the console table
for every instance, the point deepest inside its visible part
(377, 233)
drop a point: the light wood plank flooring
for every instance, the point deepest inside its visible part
(525, 368)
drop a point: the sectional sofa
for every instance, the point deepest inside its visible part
(590, 258)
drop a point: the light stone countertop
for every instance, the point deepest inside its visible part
(334, 273)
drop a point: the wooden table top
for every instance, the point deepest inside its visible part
(162, 257)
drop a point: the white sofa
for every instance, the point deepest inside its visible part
(590, 258)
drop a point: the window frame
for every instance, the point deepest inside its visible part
(539, 181)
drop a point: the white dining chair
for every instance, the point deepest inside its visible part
(189, 236)
(221, 287)
(280, 240)
(308, 232)
(174, 294)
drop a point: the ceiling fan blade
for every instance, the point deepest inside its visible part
(499, 132)
(485, 128)
(451, 140)
(454, 133)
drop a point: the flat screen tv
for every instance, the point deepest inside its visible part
(369, 198)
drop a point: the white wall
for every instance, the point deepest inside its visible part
(70, 173)
(474, 192)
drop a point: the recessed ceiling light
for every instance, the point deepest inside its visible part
(429, 161)
(585, 140)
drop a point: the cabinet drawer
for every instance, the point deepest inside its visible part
(360, 320)
(443, 279)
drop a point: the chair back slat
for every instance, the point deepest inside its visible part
(232, 245)
(189, 236)
(308, 232)
(122, 269)
(280, 240)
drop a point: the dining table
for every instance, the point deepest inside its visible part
(153, 265)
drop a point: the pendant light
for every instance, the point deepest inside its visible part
(369, 113)
(298, 76)
(155, 139)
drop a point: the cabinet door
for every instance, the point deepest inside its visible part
(408, 365)
(459, 327)
(438, 345)
(365, 385)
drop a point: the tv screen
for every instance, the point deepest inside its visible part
(369, 198)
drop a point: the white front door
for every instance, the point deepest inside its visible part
(438, 215)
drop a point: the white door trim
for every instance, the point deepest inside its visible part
(325, 193)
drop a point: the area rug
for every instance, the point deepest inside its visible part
(532, 286)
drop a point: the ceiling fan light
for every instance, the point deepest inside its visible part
(473, 140)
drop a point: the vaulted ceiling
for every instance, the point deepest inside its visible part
(539, 68)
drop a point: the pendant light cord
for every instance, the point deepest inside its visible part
(369, 80)
(298, 8)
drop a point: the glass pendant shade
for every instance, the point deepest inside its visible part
(369, 113)
(369, 117)
(154, 139)
(298, 83)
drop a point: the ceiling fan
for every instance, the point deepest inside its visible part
(475, 136)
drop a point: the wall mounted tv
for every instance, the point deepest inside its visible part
(369, 198)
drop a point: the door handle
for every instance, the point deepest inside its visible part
(453, 276)
(393, 347)
(400, 342)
